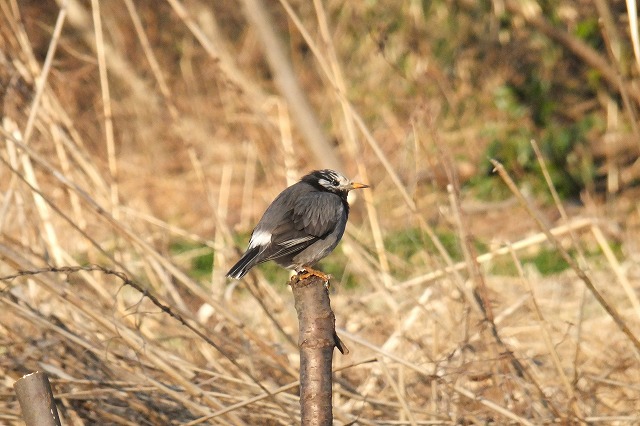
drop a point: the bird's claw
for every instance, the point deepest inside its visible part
(307, 272)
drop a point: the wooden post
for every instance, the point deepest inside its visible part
(317, 338)
(36, 400)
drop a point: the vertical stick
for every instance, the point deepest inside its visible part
(36, 400)
(317, 339)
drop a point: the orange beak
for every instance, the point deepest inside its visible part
(356, 185)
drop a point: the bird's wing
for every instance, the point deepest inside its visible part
(317, 213)
(313, 216)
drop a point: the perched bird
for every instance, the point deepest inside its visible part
(301, 226)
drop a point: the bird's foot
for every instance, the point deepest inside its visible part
(307, 272)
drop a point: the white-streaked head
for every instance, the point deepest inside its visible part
(332, 181)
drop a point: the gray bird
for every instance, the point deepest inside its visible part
(301, 226)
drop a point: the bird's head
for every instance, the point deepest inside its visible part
(332, 181)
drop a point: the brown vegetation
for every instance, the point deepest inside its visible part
(138, 137)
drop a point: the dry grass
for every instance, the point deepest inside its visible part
(128, 129)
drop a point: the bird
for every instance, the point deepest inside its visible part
(302, 225)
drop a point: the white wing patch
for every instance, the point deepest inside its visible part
(260, 238)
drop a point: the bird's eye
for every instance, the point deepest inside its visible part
(335, 183)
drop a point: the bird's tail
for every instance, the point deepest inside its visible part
(246, 262)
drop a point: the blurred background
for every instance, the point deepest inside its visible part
(147, 138)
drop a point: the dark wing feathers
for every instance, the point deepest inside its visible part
(317, 213)
(286, 239)
(312, 216)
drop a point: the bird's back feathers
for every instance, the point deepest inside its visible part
(317, 213)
